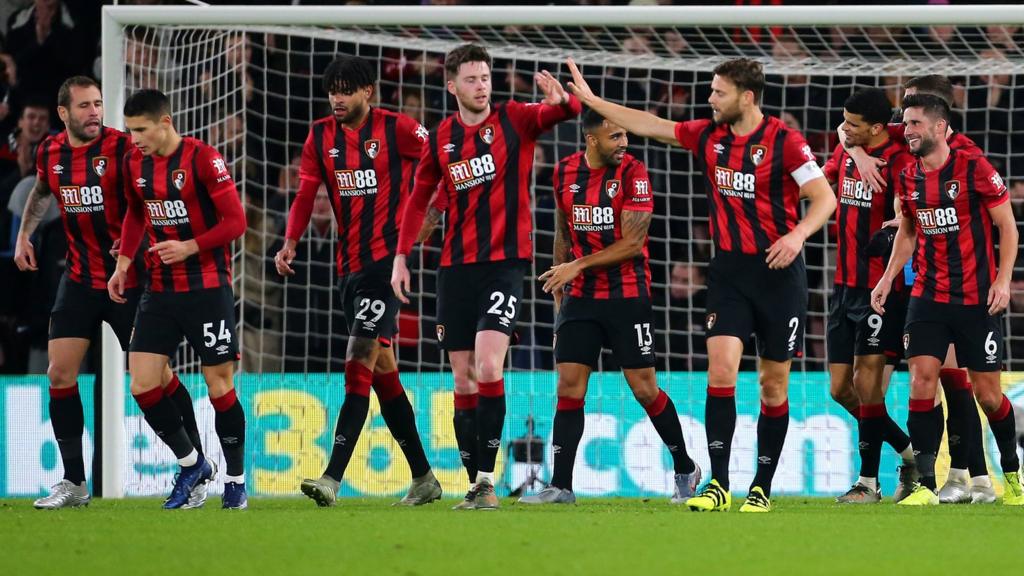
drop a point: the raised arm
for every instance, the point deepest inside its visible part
(639, 122)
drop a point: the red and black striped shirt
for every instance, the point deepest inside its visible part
(486, 169)
(752, 181)
(861, 212)
(368, 172)
(592, 202)
(187, 195)
(955, 258)
(87, 182)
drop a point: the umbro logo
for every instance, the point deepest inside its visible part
(494, 443)
(764, 459)
(862, 446)
(58, 169)
(229, 439)
(556, 449)
(340, 439)
(716, 445)
(849, 161)
(574, 188)
(504, 321)
(719, 148)
(448, 148)
(140, 182)
(333, 152)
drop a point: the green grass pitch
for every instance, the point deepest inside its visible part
(599, 536)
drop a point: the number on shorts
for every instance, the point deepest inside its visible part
(875, 323)
(794, 323)
(376, 306)
(498, 299)
(991, 346)
(210, 338)
(643, 334)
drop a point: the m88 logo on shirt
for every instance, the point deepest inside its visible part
(471, 172)
(853, 192)
(81, 199)
(356, 182)
(167, 212)
(732, 183)
(586, 218)
(938, 220)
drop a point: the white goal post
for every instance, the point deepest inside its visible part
(363, 20)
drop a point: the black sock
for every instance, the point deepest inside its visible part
(958, 402)
(870, 428)
(921, 424)
(401, 420)
(68, 420)
(719, 425)
(893, 435)
(465, 431)
(163, 417)
(229, 421)
(490, 420)
(1004, 429)
(565, 439)
(666, 421)
(975, 443)
(178, 394)
(772, 425)
(351, 417)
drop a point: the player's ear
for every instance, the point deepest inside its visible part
(451, 87)
(63, 114)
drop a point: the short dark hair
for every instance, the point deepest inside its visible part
(933, 106)
(64, 94)
(871, 104)
(147, 102)
(463, 54)
(346, 74)
(590, 120)
(934, 84)
(745, 73)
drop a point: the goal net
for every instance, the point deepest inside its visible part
(250, 85)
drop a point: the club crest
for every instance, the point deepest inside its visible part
(372, 148)
(953, 189)
(440, 332)
(612, 188)
(709, 322)
(757, 154)
(99, 165)
(906, 341)
(178, 179)
(487, 134)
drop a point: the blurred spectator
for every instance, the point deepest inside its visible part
(687, 303)
(261, 305)
(17, 159)
(47, 48)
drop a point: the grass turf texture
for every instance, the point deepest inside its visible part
(598, 536)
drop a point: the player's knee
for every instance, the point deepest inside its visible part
(61, 376)
(465, 385)
(490, 369)
(989, 397)
(570, 387)
(923, 384)
(360, 349)
(646, 392)
(842, 393)
(721, 376)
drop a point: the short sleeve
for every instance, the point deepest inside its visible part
(688, 133)
(989, 184)
(638, 186)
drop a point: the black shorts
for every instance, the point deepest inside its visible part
(746, 297)
(623, 325)
(79, 310)
(205, 318)
(476, 297)
(977, 336)
(371, 307)
(854, 329)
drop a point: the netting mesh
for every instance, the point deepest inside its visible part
(253, 91)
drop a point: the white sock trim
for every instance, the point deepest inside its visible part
(240, 479)
(957, 475)
(489, 476)
(980, 481)
(189, 460)
(871, 483)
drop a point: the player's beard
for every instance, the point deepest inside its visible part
(924, 147)
(729, 117)
(79, 130)
(354, 111)
(611, 158)
(469, 103)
